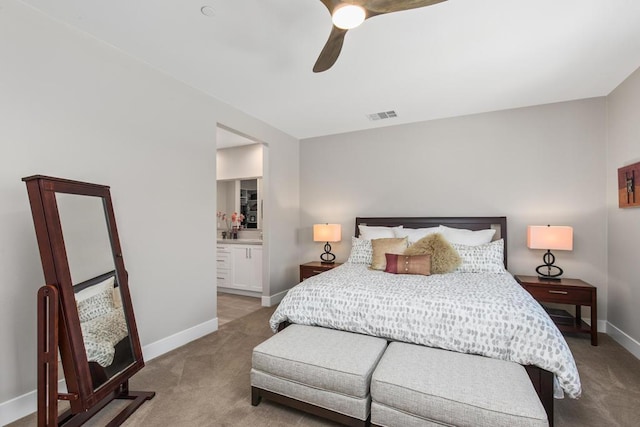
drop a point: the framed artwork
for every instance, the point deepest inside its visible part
(629, 186)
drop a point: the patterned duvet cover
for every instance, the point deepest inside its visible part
(479, 313)
(101, 335)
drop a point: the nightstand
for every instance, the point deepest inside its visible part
(316, 267)
(566, 291)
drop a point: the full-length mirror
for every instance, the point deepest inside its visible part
(95, 285)
(87, 284)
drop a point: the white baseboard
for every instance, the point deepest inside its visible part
(623, 339)
(21, 406)
(273, 299)
(233, 291)
(165, 345)
(602, 324)
(18, 407)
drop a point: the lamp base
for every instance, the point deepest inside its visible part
(545, 270)
(327, 257)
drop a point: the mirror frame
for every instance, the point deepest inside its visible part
(44, 208)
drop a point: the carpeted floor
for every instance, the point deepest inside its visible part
(206, 383)
(232, 307)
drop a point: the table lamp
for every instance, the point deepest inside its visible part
(549, 237)
(327, 233)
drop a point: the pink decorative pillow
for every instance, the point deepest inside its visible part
(406, 264)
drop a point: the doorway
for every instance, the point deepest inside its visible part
(242, 279)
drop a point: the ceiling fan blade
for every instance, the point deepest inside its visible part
(331, 50)
(378, 7)
(331, 4)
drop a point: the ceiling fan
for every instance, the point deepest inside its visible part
(347, 14)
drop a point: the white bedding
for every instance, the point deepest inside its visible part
(479, 313)
(101, 335)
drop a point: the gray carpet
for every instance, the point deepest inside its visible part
(206, 383)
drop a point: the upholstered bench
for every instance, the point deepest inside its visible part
(417, 386)
(321, 371)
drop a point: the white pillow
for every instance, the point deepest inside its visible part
(361, 251)
(467, 237)
(415, 234)
(95, 289)
(487, 258)
(370, 233)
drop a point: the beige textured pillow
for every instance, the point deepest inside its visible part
(444, 258)
(386, 246)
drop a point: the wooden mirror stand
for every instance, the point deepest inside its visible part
(85, 310)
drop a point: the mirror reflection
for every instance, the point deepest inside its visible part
(95, 283)
(243, 196)
(249, 202)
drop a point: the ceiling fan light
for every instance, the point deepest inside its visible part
(348, 16)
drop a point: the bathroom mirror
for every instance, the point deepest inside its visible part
(96, 329)
(243, 196)
(249, 203)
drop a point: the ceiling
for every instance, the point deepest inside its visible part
(454, 58)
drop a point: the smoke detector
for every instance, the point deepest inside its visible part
(382, 115)
(207, 10)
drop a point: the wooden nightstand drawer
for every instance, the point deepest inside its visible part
(560, 294)
(311, 269)
(305, 273)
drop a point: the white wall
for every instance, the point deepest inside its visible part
(73, 107)
(241, 162)
(538, 165)
(281, 217)
(623, 148)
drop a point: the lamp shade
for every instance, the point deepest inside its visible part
(550, 237)
(327, 232)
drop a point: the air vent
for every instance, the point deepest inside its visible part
(383, 115)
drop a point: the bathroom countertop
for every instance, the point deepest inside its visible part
(240, 241)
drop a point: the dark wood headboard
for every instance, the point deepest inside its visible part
(94, 281)
(498, 223)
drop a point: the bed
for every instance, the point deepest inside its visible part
(479, 312)
(104, 328)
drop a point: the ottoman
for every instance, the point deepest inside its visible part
(322, 371)
(422, 386)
